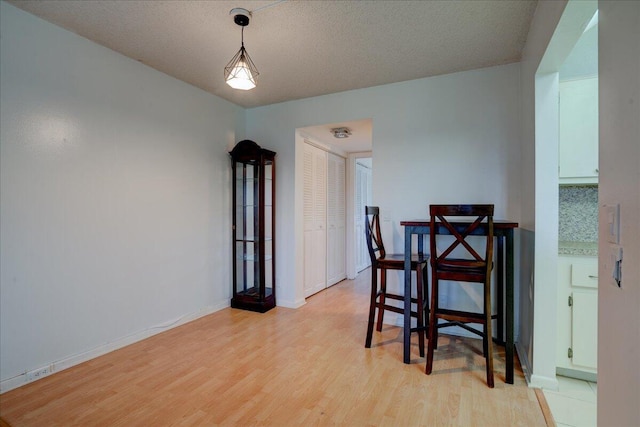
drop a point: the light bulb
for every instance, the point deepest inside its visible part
(240, 77)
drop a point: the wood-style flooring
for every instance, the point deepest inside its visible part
(285, 367)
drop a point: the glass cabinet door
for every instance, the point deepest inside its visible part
(247, 254)
(268, 228)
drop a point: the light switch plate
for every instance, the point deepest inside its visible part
(612, 216)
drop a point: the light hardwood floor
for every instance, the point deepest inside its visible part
(285, 367)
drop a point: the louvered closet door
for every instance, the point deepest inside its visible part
(315, 219)
(336, 217)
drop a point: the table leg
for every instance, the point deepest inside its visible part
(500, 290)
(510, 306)
(407, 294)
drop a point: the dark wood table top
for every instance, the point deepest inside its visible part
(497, 223)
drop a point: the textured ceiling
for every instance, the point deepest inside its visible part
(301, 48)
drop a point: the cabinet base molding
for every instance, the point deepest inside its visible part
(253, 304)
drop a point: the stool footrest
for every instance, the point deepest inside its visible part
(462, 325)
(460, 316)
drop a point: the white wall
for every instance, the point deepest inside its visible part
(619, 182)
(545, 269)
(114, 198)
(451, 138)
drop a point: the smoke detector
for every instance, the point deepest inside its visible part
(341, 133)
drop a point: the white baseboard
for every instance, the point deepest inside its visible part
(533, 380)
(291, 304)
(76, 359)
(547, 383)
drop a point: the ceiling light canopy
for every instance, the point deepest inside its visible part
(241, 72)
(341, 133)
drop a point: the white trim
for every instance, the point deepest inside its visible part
(569, 29)
(546, 383)
(350, 249)
(291, 304)
(545, 298)
(324, 147)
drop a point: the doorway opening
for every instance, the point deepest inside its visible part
(363, 197)
(329, 165)
(566, 96)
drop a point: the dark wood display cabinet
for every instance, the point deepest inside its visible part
(254, 188)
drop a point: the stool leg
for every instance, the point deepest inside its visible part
(382, 301)
(372, 305)
(487, 333)
(425, 299)
(433, 328)
(435, 309)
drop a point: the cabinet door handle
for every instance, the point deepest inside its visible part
(593, 277)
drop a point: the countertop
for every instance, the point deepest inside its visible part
(578, 248)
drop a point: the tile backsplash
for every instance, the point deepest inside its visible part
(578, 206)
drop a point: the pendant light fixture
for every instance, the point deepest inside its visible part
(240, 72)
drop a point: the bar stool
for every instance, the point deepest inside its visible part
(381, 260)
(475, 268)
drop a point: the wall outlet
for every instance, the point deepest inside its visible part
(36, 374)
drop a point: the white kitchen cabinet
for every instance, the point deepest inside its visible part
(577, 333)
(578, 131)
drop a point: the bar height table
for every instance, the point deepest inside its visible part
(503, 232)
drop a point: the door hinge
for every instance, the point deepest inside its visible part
(570, 353)
(570, 302)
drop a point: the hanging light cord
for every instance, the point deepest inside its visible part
(268, 6)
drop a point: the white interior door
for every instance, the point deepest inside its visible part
(336, 217)
(363, 198)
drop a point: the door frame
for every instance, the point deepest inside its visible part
(352, 158)
(568, 31)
